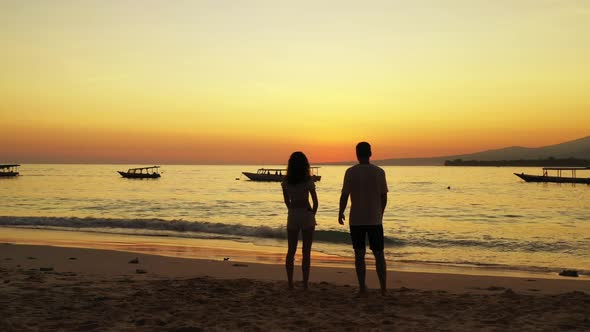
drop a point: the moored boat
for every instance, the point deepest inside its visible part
(557, 178)
(9, 170)
(277, 174)
(141, 173)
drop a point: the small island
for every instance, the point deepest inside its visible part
(549, 162)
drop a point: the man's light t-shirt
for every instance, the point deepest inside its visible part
(366, 184)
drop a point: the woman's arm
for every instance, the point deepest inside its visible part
(286, 198)
(314, 199)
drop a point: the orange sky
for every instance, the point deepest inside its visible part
(251, 82)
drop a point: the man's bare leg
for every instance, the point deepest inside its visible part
(381, 268)
(359, 264)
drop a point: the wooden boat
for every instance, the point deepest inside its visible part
(558, 178)
(141, 173)
(277, 174)
(9, 170)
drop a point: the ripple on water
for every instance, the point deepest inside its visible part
(421, 210)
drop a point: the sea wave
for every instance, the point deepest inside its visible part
(197, 229)
(181, 228)
(489, 266)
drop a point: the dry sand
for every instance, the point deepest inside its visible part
(45, 288)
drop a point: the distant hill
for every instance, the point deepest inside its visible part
(579, 149)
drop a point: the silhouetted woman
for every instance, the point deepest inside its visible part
(297, 187)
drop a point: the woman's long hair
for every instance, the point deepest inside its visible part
(298, 168)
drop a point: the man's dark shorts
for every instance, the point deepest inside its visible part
(358, 233)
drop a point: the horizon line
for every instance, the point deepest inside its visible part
(331, 163)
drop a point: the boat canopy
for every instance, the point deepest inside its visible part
(561, 169)
(282, 169)
(8, 166)
(314, 170)
(140, 169)
(564, 168)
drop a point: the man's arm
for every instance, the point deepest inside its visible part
(344, 196)
(343, 202)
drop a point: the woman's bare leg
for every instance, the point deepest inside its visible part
(292, 237)
(307, 237)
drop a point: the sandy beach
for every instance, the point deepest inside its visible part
(160, 160)
(69, 289)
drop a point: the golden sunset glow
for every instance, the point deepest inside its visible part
(252, 81)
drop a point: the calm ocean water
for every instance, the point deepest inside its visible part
(489, 218)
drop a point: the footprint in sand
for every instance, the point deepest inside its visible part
(67, 274)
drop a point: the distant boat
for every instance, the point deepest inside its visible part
(558, 178)
(277, 174)
(141, 173)
(9, 170)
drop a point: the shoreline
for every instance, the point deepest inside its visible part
(243, 251)
(75, 289)
(113, 263)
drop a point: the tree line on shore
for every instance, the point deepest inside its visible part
(549, 162)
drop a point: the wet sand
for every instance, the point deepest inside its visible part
(70, 289)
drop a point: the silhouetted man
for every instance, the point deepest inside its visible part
(367, 187)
